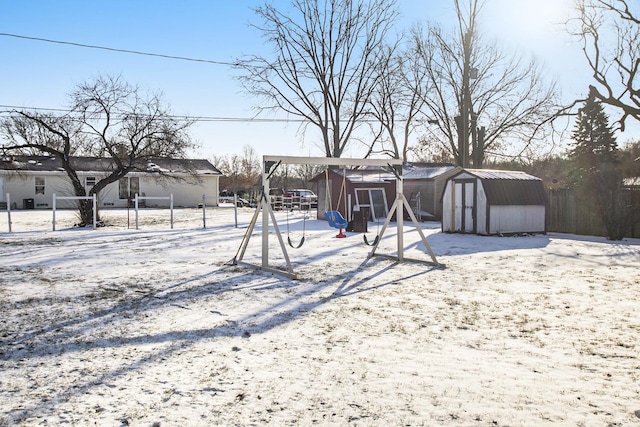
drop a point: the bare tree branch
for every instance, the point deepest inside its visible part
(323, 68)
(502, 103)
(610, 35)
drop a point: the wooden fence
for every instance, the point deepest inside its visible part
(565, 214)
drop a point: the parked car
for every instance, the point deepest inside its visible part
(300, 198)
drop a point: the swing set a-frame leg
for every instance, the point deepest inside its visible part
(247, 234)
(422, 236)
(402, 199)
(264, 204)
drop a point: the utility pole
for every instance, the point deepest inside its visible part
(465, 105)
(465, 121)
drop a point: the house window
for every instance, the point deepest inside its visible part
(90, 181)
(39, 185)
(128, 187)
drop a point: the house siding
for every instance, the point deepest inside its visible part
(22, 186)
(186, 191)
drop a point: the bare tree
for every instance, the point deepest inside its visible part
(241, 173)
(307, 172)
(107, 118)
(610, 34)
(485, 101)
(397, 102)
(323, 70)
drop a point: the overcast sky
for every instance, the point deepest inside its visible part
(40, 74)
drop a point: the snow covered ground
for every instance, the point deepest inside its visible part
(147, 327)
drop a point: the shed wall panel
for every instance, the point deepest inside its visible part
(447, 207)
(481, 209)
(517, 219)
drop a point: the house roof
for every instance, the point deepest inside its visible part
(509, 187)
(98, 164)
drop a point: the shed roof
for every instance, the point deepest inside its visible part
(502, 174)
(100, 164)
(509, 187)
(424, 171)
(370, 175)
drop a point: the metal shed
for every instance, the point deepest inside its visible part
(483, 201)
(424, 184)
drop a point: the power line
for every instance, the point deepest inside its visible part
(134, 52)
(177, 117)
(12, 109)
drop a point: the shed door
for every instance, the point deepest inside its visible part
(374, 198)
(464, 194)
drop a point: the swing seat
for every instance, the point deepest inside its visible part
(335, 219)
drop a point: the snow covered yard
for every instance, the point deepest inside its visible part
(151, 327)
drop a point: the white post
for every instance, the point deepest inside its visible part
(235, 208)
(171, 202)
(136, 207)
(95, 210)
(400, 219)
(204, 209)
(8, 198)
(54, 212)
(265, 218)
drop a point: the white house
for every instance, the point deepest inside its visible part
(484, 201)
(31, 181)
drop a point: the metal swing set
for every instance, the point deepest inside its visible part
(271, 163)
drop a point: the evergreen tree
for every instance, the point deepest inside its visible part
(595, 167)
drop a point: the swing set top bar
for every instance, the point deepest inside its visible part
(331, 161)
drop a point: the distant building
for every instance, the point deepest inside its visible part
(31, 181)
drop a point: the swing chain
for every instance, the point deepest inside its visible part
(304, 228)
